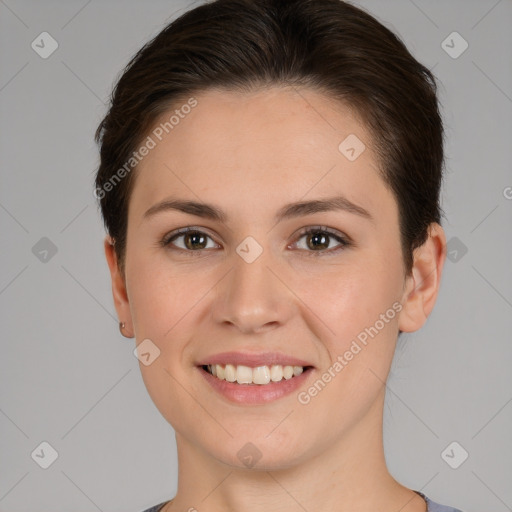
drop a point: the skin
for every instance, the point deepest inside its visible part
(249, 154)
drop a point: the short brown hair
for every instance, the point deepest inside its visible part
(329, 45)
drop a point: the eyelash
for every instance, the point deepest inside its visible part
(345, 242)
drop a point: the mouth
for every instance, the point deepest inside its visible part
(251, 378)
(254, 385)
(254, 376)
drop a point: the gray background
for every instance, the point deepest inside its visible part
(70, 379)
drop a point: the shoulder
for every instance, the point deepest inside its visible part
(432, 506)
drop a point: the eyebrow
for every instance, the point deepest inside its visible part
(289, 211)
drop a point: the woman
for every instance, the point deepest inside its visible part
(269, 181)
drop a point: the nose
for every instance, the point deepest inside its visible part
(253, 297)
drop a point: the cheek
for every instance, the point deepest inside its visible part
(164, 310)
(353, 298)
(356, 304)
(159, 296)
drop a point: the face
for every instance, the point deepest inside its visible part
(259, 283)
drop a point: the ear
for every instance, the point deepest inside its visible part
(422, 286)
(119, 292)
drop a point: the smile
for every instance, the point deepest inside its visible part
(260, 375)
(246, 385)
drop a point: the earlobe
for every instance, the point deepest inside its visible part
(423, 285)
(119, 291)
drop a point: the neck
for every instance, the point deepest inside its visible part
(349, 475)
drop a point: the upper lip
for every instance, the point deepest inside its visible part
(253, 359)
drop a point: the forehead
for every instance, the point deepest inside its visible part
(274, 145)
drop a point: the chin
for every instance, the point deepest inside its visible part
(259, 454)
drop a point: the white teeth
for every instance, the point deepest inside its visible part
(260, 375)
(243, 374)
(297, 370)
(276, 373)
(288, 372)
(230, 373)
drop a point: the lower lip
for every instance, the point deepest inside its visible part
(255, 393)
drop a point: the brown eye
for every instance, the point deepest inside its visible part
(191, 240)
(320, 241)
(195, 240)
